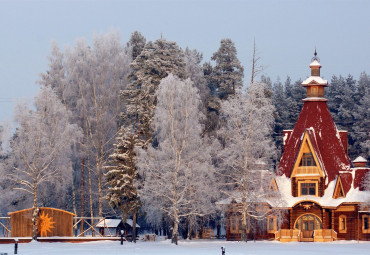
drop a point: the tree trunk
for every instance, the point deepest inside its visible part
(82, 195)
(74, 207)
(100, 191)
(200, 229)
(134, 227)
(218, 230)
(244, 236)
(191, 227)
(175, 233)
(34, 214)
(91, 201)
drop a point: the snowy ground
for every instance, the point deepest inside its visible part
(190, 247)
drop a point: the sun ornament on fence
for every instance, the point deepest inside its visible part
(45, 224)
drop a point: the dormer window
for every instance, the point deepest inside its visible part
(307, 160)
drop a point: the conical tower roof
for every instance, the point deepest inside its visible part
(315, 119)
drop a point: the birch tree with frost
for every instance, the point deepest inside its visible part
(178, 172)
(88, 80)
(247, 142)
(42, 147)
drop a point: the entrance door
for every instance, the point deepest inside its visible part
(308, 226)
(307, 223)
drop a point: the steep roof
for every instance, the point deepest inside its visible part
(359, 159)
(360, 174)
(346, 179)
(315, 118)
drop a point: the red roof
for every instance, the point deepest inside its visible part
(346, 179)
(359, 177)
(315, 118)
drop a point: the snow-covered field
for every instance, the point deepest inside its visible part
(190, 248)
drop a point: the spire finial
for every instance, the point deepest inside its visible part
(315, 57)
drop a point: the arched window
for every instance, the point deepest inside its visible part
(308, 222)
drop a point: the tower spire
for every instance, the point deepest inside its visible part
(315, 84)
(315, 57)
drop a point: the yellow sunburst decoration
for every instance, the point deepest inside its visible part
(44, 224)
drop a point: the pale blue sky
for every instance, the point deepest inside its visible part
(286, 34)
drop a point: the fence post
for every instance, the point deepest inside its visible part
(16, 246)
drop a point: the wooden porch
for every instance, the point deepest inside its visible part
(295, 235)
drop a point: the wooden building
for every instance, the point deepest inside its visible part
(51, 222)
(321, 188)
(113, 227)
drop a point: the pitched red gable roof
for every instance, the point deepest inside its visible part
(316, 119)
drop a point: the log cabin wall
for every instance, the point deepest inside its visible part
(363, 235)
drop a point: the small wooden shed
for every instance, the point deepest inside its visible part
(51, 222)
(113, 227)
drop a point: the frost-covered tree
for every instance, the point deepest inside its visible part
(122, 177)
(137, 42)
(42, 147)
(155, 62)
(88, 79)
(342, 104)
(247, 141)
(194, 71)
(294, 95)
(362, 116)
(281, 114)
(228, 72)
(178, 171)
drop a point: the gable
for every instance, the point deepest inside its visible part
(307, 163)
(338, 190)
(273, 186)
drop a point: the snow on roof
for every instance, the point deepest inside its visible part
(359, 159)
(316, 119)
(113, 223)
(314, 80)
(109, 223)
(353, 194)
(315, 63)
(315, 99)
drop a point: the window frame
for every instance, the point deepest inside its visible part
(300, 182)
(274, 224)
(342, 220)
(367, 230)
(307, 157)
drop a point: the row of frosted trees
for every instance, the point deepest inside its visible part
(145, 130)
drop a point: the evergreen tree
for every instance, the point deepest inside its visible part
(294, 95)
(228, 72)
(154, 63)
(362, 118)
(122, 177)
(334, 96)
(137, 42)
(194, 71)
(281, 112)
